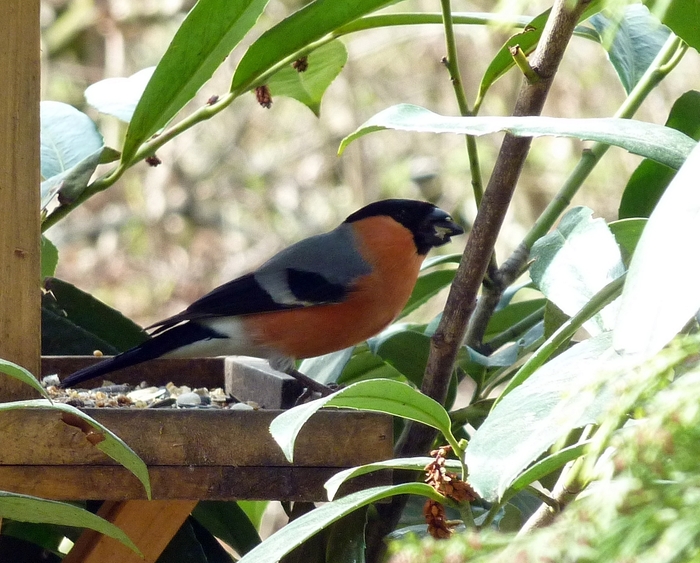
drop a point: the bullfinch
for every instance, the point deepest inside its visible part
(320, 295)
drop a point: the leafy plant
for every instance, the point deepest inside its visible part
(15, 508)
(543, 406)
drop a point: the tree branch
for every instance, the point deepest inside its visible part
(462, 298)
(450, 333)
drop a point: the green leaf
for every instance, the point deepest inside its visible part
(49, 257)
(503, 61)
(47, 537)
(649, 181)
(228, 522)
(537, 414)
(100, 436)
(548, 464)
(405, 463)
(659, 143)
(298, 531)
(439, 260)
(71, 147)
(185, 546)
(661, 292)
(638, 37)
(93, 316)
(295, 33)
(554, 319)
(346, 538)
(574, 262)
(206, 37)
(18, 372)
(427, 286)
(308, 87)
(379, 395)
(563, 334)
(68, 136)
(327, 368)
(31, 509)
(682, 16)
(404, 349)
(527, 40)
(505, 318)
(627, 233)
(62, 337)
(254, 510)
(119, 96)
(364, 365)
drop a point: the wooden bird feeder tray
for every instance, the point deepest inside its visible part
(212, 454)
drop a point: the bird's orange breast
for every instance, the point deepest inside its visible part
(373, 301)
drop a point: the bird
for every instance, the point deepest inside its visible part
(322, 294)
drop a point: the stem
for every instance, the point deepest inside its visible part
(146, 149)
(570, 483)
(604, 297)
(452, 64)
(515, 330)
(461, 301)
(664, 62)
(491, 514)
(523, 64)
(465, 511)
(477, 254)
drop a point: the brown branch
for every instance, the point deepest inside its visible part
(482, 239)
(450, 333)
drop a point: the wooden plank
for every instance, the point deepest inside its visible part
(168, 482)
(20, 321)
(150, 525)
(331, 438)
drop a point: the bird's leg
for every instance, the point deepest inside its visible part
(310, 384)
(286, 365)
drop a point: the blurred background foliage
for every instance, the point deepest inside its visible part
(235, 189)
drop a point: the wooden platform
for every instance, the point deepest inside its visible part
(190, 453)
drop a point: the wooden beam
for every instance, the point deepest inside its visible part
(190, 438)
(20, 297)
(95, 482)
(150, 525)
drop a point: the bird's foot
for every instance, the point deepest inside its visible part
(311, 385)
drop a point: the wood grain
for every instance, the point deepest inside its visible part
(20, 321)
(331, 438)
(94, 482)
(150, 525)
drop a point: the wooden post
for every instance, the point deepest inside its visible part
(20, 297)
(150, 525)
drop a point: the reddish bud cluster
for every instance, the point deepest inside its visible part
(262, 93)
(300, 65)
(438, 525)
(447, 484)
(153, 160)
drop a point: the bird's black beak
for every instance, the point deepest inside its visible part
(444, 227)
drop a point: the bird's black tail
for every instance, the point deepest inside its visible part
(163, 343)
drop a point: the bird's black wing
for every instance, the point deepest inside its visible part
(246, 295)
